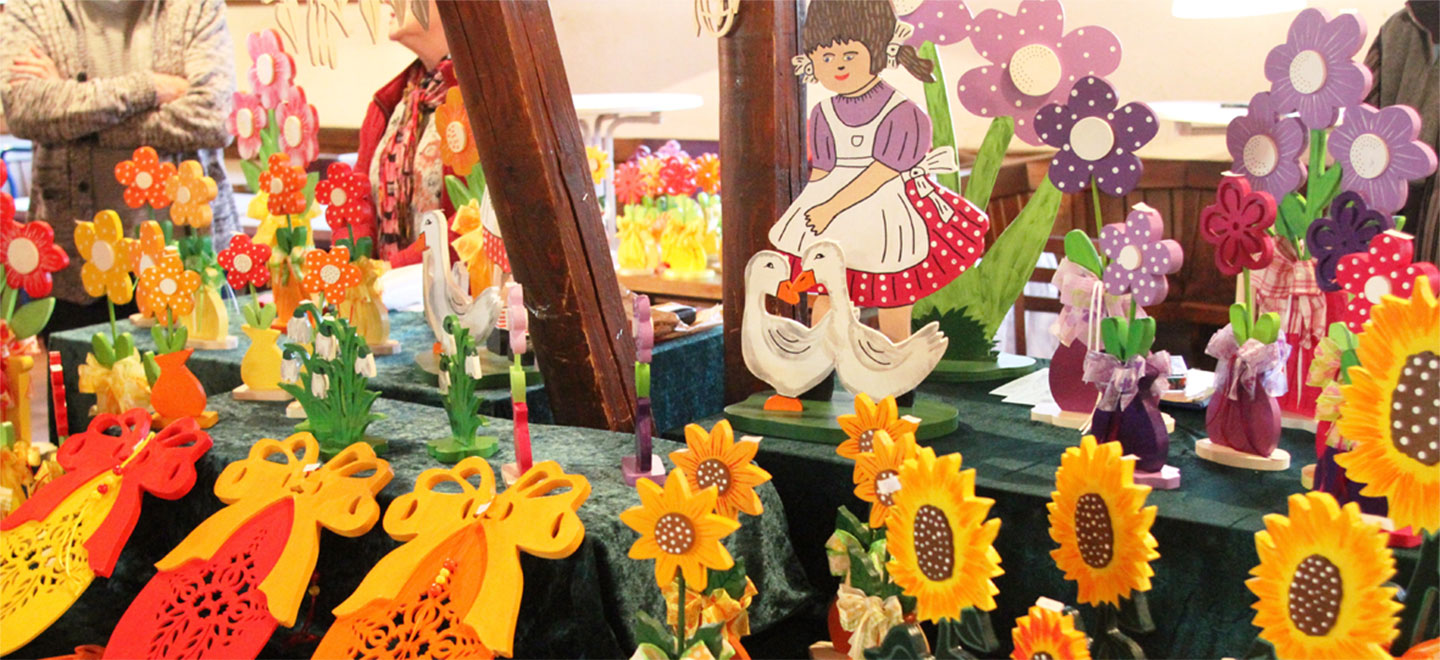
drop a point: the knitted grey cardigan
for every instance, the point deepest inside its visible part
(69, 118)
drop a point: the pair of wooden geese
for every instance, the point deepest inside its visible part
(793, 357)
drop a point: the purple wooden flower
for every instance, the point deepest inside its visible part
(1095, 138)
(1139, 258)
(1314, 70)
(1348, 230)
(1378, 154)
(944, 22)
(1266, 148)
(517, 320)
(1032, 62)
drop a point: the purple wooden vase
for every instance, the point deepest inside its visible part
(1138, 428)
(1067, 379)
(1250, 422)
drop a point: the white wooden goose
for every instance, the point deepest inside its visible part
(865, 359)
(444, 295)
(783, 352)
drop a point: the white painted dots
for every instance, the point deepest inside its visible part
(1415, 409)
(882, 493)
(1315, 594)
(1093, 534)
(866, 441)
(714, 472)
(934, 543)
(674, 533)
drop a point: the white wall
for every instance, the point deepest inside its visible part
(651, 46)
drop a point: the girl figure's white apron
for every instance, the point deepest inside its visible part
(882, 233)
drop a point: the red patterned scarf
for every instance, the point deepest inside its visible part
(424, 91)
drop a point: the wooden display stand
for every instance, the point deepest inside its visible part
(1216, 453)
(816, 423)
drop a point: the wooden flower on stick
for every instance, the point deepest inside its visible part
(28, 255)
(643, 463)
(519, 324)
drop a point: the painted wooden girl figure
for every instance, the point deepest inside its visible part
(871, 187)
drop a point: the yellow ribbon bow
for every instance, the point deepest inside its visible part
(866, 618)
(120, 388)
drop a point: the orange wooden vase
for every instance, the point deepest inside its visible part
(285, 283)
(177, 392)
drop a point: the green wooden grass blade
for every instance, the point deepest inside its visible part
(937, 104)
(988, 161)
(1240, 322)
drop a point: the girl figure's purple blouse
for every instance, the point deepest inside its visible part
(901, 140)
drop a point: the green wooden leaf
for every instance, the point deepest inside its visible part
(459, 193)
(475, 183)
(985, 292)
(152, 368)
(124, 346)
(101, 349)
(1399, 223)
(863, 574)
(311, 180)
(182, 335)
(249, 313)
(31, 318)
(1290, 219)
(1113, 332)
(649, 630)
(988, 161)
(1240, 322)
(1326, 188)
(711, 635)
(937, 104)
(252, 174)
(845, 521)
(1267, 328)
(1080, 250)
(265, 316)
(1141, 337)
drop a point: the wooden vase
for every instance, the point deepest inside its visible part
(260, 368)
(369, 317)
(285, 284)
(17, 376)
(210, 322)
(1138, 428)
(177, 392)
(1248, 423)
(1067, 379)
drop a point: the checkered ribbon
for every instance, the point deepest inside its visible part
(1288, 287)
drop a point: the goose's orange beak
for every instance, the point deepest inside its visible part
(420, 243)
(790, 291)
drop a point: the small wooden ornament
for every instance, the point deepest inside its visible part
(457, 581)
(209, 324)
(253, 559)
(178, 393)
(82, 520)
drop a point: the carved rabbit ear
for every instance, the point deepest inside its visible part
(256, 474)
(547, 524)
(96, 444)
(347, 503)
(426, 508)
(169, 459)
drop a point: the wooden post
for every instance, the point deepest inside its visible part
(510, 72)
(762, 147)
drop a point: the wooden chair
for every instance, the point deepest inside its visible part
(1028, 303)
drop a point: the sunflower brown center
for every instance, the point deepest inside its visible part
(674, 533)
(1415, 408)
(1315, 594)
(1093, 532)
(883, 492)
(713, 472)
(867, 441)
(934, 543)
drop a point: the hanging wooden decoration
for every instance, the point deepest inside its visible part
(243, 571)
(55, 544)
(456, 584)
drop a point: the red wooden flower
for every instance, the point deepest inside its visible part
(244, 262)
(285, 185)
(144, 178)
(677, 176)
(1387, 268)
(7, 203)
(29, 254)
(346, 195)
(630, 184)
(1236, 225)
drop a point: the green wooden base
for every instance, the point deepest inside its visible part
(453, 450)
(817, 422)
(495, 368)
(1004, 367)
(380, 445)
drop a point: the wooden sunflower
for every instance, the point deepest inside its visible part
(870, 417)
(714, 459)
(1045, 634)
(679, 530)
(1391, 408)
(1099, 518)
(1319, 582)
(877, 473)
(941, 546)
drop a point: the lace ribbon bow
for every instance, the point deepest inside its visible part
(867, 618)
(121, 387)
(1120, 382)
(1249, 364)
(1076, 284)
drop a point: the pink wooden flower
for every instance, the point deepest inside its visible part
(1379, 154)
(1314, 71)
(1237, 225)
(1386, 268)
(1032, 62)
(346, 196)
(1266, 148)
(299, 127)
(246, 122)
(1139, 258)
(272, 70)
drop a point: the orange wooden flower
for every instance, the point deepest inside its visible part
(330, 273)
(679, 530)
(192, 193)
(457, 142)
(143, 256)
(285, 185)
(169, 289)
(144, 178)
(707, 173)
(713, 458)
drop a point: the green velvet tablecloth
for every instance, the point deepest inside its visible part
(686, 372)
(580, 606)
(1205, 528)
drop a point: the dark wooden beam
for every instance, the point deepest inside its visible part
(762, 147)
(509, 68)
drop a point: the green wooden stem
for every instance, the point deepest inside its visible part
(1249, 296)
(110, 305)
(1095, 200)
(680, 628)
(7, 301)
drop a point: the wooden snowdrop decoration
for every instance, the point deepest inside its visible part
(459, 378)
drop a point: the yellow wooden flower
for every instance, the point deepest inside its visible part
(942, 549)
(679, 530)
(192, 193)
(1391, 408)
(599, 164)
(106, 251)
(870, 417)
(259, 209)
(715, 459)
(168, 288)
(1045, 633)
(877, 473)
(1319, 582)
(1099, 518)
